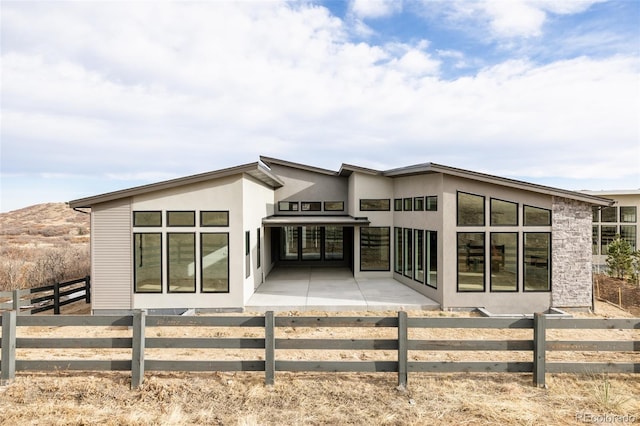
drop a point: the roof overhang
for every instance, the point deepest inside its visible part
(277, 221)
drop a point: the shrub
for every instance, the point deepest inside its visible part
(620, 258)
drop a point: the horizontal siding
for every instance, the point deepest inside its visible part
(111, 255)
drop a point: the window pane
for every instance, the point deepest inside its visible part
(537, 254)
(310, 242)
(375, 205)
(311, 206)
(334, 206)
(594, 240)
(407, 235)
(418, 204)
(504, 213)
(333, 243)
(289, 243)
(471, 255)
(211, 218)
(247, 254)
(504, 261)
(147, 218)
(432, 259)
(628, 214)
(287, 206)
(181, 258)
(609, 214)
(147, 254)
(398, 248)
(607, 234)
(214, 262)
(408, 204)
(259, 249)
(397, 204)
(535, 216)
(596, 213)
(181, 219)
(470, 209)
(374, 248)
(432, 203)
(418, 250)
(628, 233)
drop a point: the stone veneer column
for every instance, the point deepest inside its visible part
(571, 267)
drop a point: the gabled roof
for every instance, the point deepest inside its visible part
(256, 170)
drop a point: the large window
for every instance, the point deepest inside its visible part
(628, 233)
(375, 204)
(333, 243)
(289, 243)
(398, 250)
(181, 261)
(504, 261)
(471, 261)
(628, 214)
(418, 250)
(147, 255)
(408, 252)
(470, 209)
(535, 216)
(537, 261)
(374, 248)
(214, 263)
(504, 213)
(607, 235)
(311, 243)
(432, 258)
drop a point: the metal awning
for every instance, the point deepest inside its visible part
(273, 221)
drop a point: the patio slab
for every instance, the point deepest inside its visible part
(333, 289)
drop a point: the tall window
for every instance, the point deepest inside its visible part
(147, 255)
(432, 258)
(594, 239)
(628, 233)
(408, 252)
(504, 261)
(471, 261)
(289, 243)
(398, 250)
(397, 204)
(374, 248)
(607, 235)
(432, 203)
(628, 214)
(311, 243)
(334, 243)
(470, 209)
(259, 249)
(537, 261)
(408, 204)
(418, 249)
(181, 261)
(247, 254)
(214, 263)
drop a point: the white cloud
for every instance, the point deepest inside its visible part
(375, 8)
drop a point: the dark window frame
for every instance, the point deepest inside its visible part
(524, 215)
(484, 262)
(427, 256)
(398, 254)
(370, 200)
(310, 204)
(388, 268)
(609, 212)
(407, 204)
(133, 219)
(290, 204)
(429, 205)
(491, 222)
(397, 204)
(549, 263)
(202, 222)
(341, 209)
(419, 261)
(517, 263)
(202, 290)
(193, 216)
(195, 254)
(135, 290)
(418, 204)
(635, 214)
(484, 209)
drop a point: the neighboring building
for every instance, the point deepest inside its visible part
(618, 219)
(461, 238)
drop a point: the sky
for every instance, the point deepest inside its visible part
(98, 96)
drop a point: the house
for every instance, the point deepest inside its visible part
(609, 221)
(462, 238)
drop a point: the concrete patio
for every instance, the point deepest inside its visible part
(333, 289)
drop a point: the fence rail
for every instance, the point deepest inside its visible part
(139, 323)
(46, 298)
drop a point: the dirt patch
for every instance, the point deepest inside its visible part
(618, 292)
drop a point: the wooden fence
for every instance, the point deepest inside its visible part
(139, 323)
(46, 298)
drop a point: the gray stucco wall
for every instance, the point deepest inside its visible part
(571, 254)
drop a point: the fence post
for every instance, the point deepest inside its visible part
(539, 349)
(87, 288)
(137, 349)
(403, 349)
(269, 348)
(56, 299)
(16, 300)
(8, 368)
